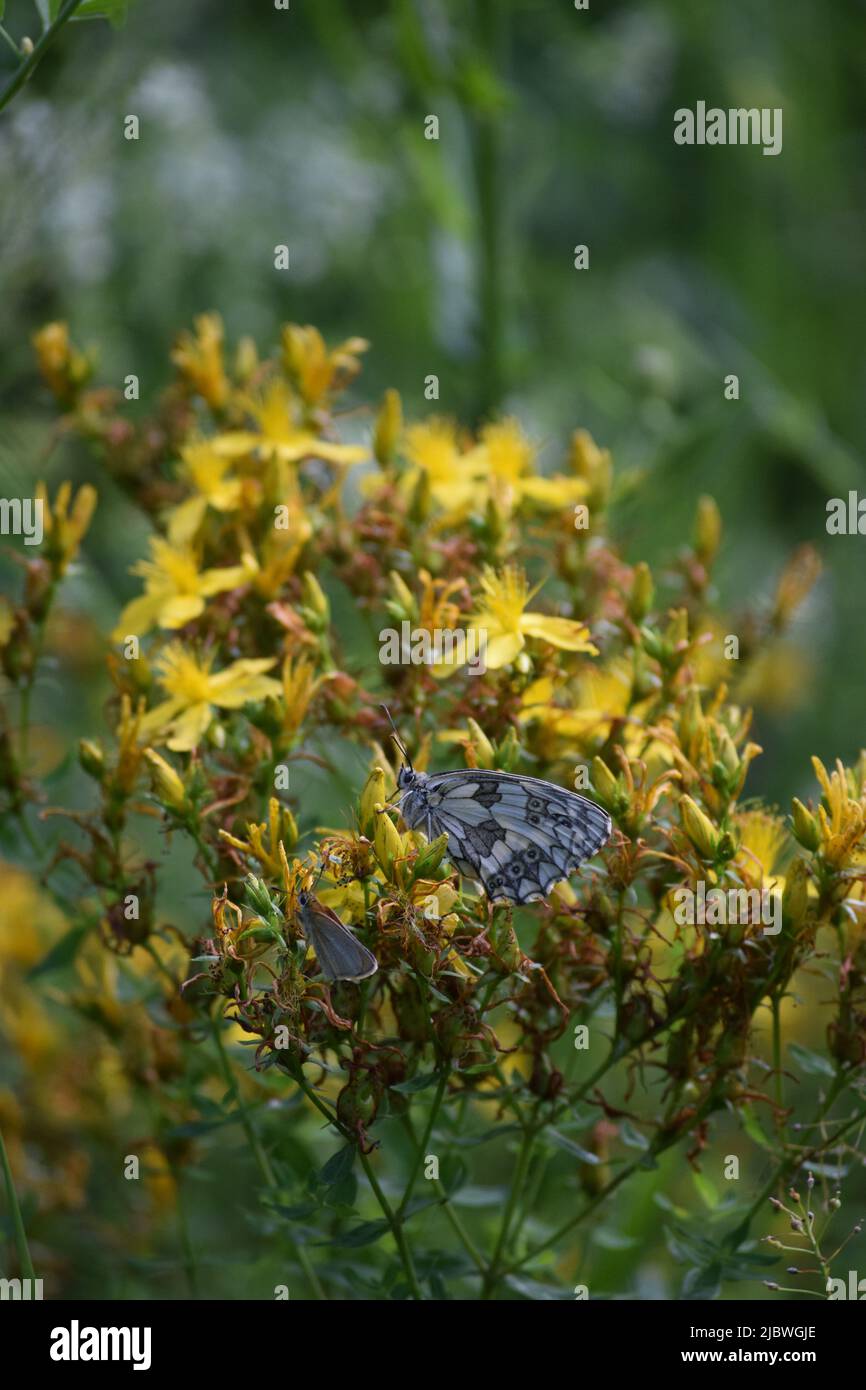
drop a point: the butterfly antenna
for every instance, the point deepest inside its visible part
(397, 740)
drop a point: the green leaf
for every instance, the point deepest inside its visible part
(343, 1193)
(115, 11)
(533, 1289)
(416, 1083)
(703, 1283)
(752, 1126)
(480, 1197)
(62, 953)
(562, 1142)
(632, 1136)
(299, 1212)
(193, 1129)
(471, 1141)
(812, 1063)
(608, 1239)
(706, 1191)
(453, 1173)
(420, 1204)
(338, 1166)
(365, 1234)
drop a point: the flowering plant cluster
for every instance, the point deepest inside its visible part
(582, 1037)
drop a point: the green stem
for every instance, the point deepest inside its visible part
(790, 1162)
(396, 1226)
(585, 1211)
(18, 78)
(425, 1140)
(777, 1053)
(21, 1245)
(258, 1152)
(488, 185)
(387, 1211)
(454, 1221)
(185, 1241)
(521, 1169)
(8, 39)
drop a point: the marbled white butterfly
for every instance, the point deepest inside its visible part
(515, 835)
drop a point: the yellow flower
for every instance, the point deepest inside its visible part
(279, 434)
(764, 845)
(315, 371)
(600, 697)
(266, 842)
(502, 615)
(195, 692)
(300, 684)
(278, 553)
(64, 527)
(206, 471)
(508, 465)
(593, 465)
(129, 749)
(454, 474)
(842, 817)
(175, 589)
(199, 356)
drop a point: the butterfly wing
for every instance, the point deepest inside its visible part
(340, 955)
(515, 835)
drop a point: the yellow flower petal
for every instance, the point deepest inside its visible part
(559, 632)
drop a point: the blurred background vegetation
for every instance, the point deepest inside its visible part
(455, 258)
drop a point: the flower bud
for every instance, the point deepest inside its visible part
(402, 605)
(604, 784)
(246, 359)
(640, 599)
(699, 828)
(429, 858)
(388, 428)
(806, 828)
(795, 897)
(91, 758)
(708, 530)
(387, 843)
(166, 784)
(372, 796)
(482, 747)
(317, 609)
(691, 724)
